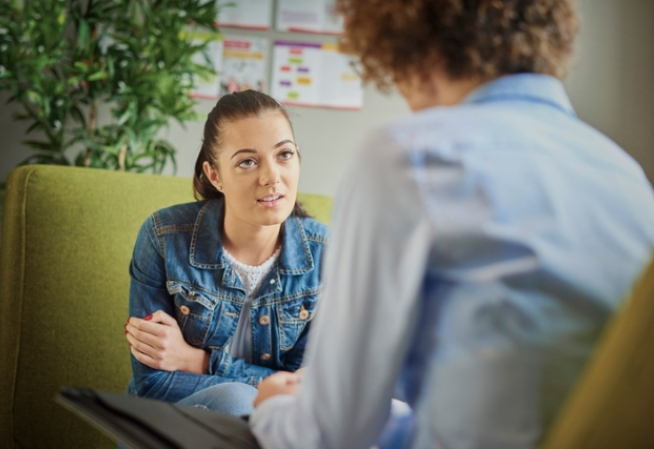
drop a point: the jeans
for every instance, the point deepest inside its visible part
(233, 398)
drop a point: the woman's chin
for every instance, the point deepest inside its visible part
(270, 217)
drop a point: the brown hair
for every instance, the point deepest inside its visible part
(465, 38)
(230, 108)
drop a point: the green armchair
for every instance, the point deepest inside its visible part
(67, 238)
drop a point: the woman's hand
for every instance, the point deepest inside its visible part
(282, 382)
(157, 341)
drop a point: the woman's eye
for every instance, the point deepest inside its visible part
(247, 163)
(286, 155)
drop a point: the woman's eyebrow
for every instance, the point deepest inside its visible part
(283, 142)
(243, 150)
(250, 150)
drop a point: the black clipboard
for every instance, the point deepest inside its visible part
(141, 423)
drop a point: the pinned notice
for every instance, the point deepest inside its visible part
(244, 64)
(248, 14)
(310, 74)
(308, 16)
(207, 86)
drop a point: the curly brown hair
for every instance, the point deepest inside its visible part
(396, 39)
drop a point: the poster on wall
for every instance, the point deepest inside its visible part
(243, 64)
(311, 74)
(308, 16)
(208, 86)
(248, 14)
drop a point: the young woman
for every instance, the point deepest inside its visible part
(479, 245)
(224, 289)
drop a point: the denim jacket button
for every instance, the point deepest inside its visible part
(265, 319)
(304, 314)
(185, 310)
(265, 356)
(272, 281)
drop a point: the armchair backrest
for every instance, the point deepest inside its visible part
(613, 404)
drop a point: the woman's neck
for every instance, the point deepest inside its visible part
(251, 245)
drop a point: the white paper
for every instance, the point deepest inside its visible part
(207, 86)
(309, 16)
(250, 14)
(244, 64)
(310, 74)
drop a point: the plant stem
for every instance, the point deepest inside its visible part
(121, 157)
(90, 131)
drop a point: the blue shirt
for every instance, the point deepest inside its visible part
(477, 252)
(179, 266)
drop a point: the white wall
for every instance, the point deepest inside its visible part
(612, 82)
(611, 87)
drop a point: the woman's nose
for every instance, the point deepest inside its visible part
(269, 174)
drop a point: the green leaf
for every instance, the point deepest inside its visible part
(40, 145)
(97, 76)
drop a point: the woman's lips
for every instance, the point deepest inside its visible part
(271, 200)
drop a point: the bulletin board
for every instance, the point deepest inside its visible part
(285, 48)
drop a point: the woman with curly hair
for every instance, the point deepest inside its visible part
(479, 245)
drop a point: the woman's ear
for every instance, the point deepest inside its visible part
(212, 175)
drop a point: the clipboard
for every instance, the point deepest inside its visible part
(142, 423)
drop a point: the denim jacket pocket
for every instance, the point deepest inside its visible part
(194, 311)
(293, 316)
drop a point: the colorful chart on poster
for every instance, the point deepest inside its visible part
(244, 64)
(249, 14)
(311, 74)
(309, 16)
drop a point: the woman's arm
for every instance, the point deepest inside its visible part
(148, 294)
(157, 341)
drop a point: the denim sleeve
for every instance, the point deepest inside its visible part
(224, 365)
(148, 294)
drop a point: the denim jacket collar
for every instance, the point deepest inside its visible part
(206, 249)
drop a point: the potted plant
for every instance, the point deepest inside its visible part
(66, 61)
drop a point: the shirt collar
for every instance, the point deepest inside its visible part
(523, 86)
(206, 249)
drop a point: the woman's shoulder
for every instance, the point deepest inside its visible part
(181, 215)
(314, 230)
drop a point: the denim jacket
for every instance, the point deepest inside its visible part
(179, 266)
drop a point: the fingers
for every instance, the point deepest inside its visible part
(279, 383)
(141, 339)
(156, 340)
(143, 357)
(158, 324)
(147, 349)
(162, 317)
(281, 378)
